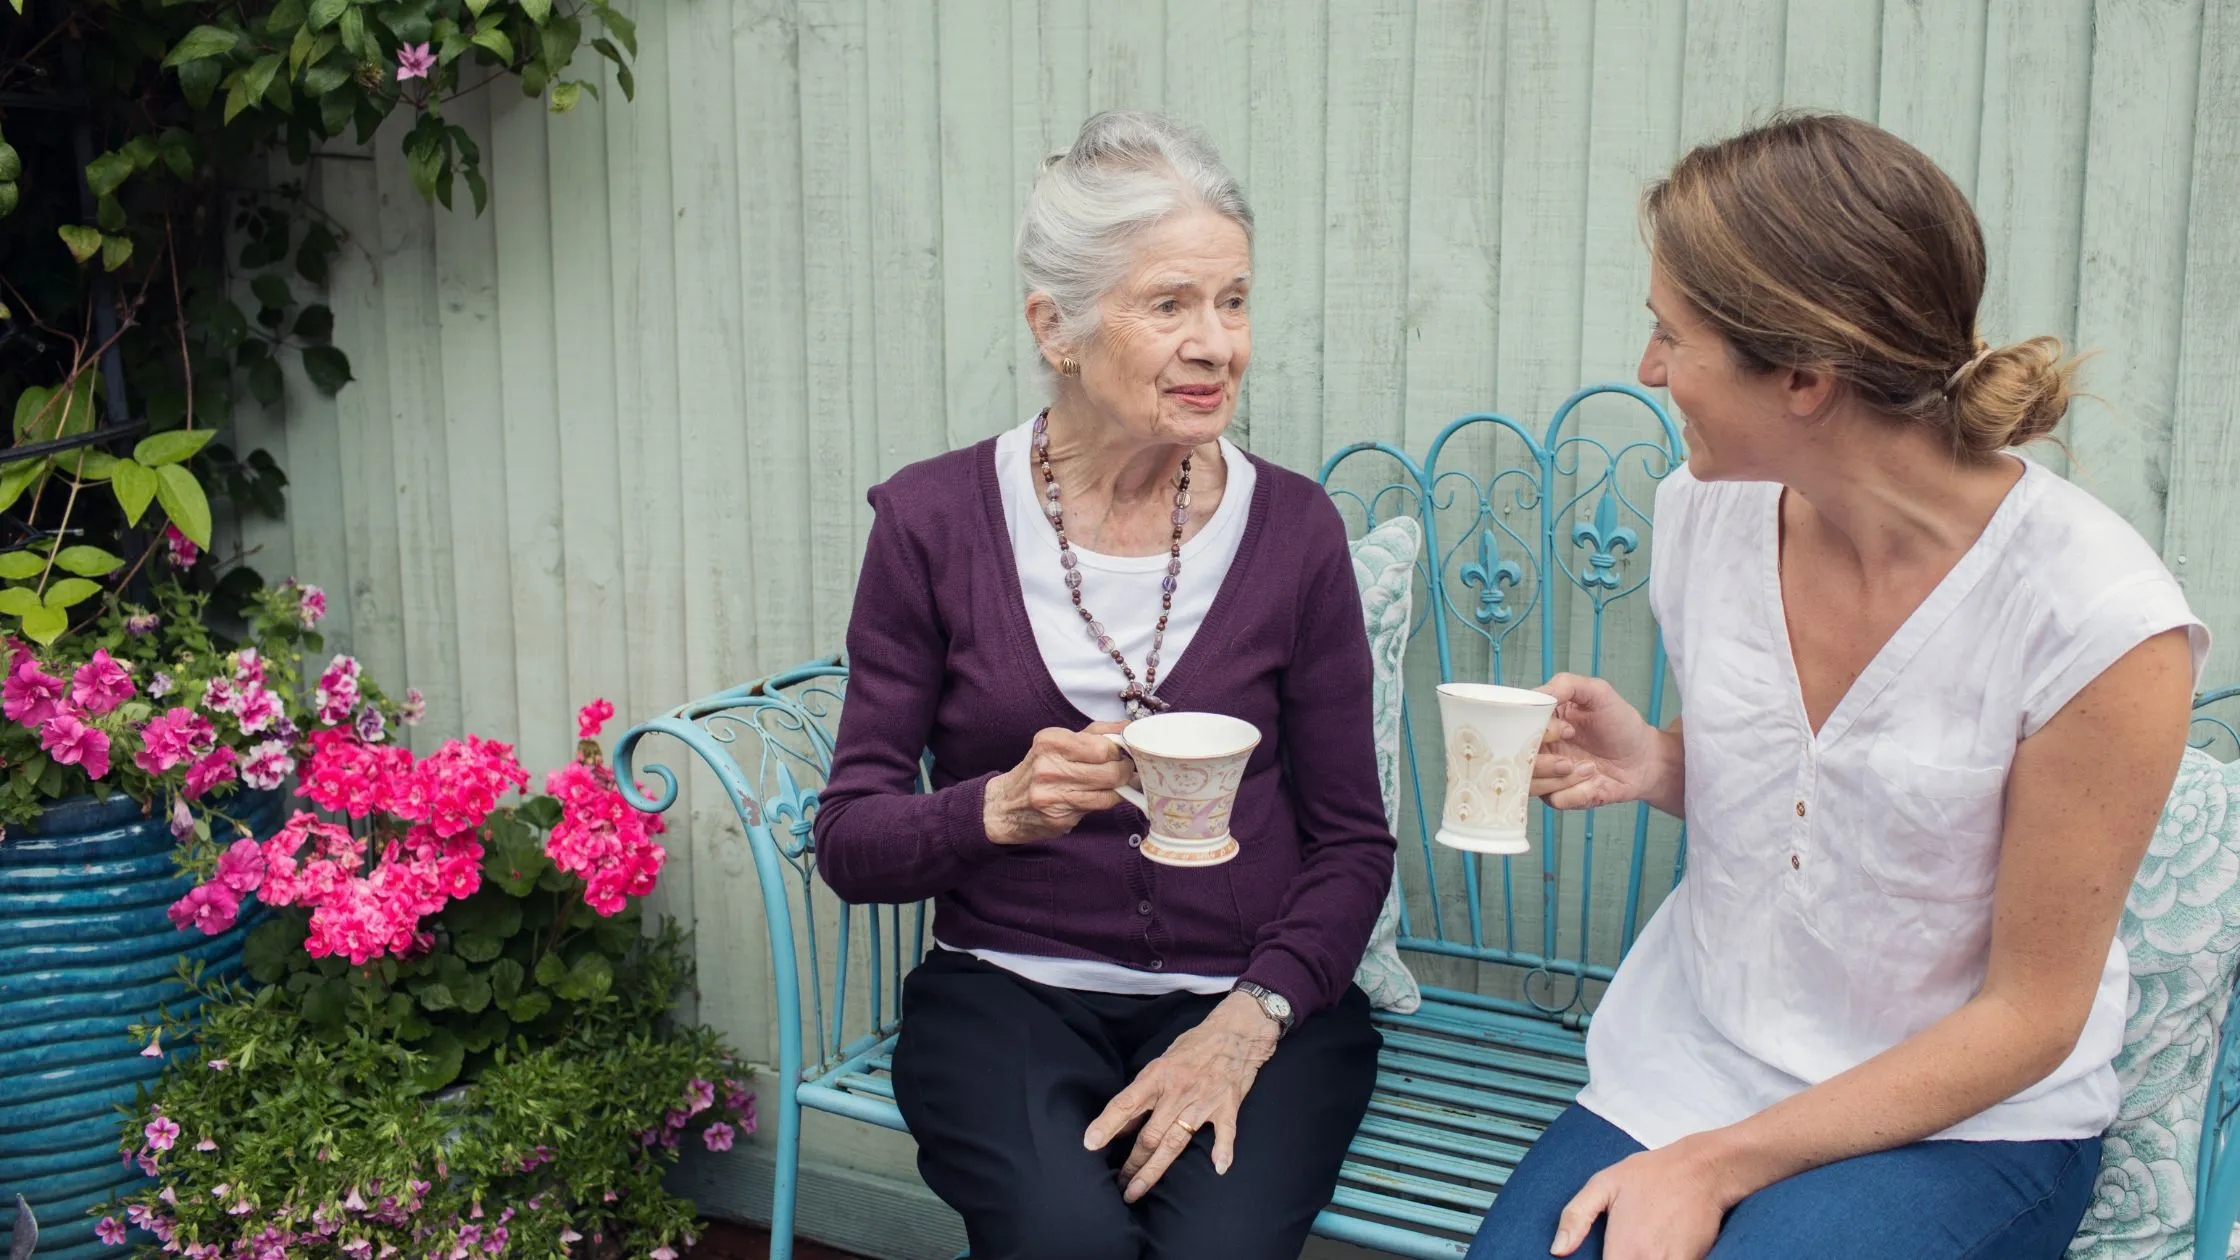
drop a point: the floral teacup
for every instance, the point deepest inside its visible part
(1190, 765)
(1493, 734)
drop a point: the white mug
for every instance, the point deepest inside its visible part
(1493, 733)
(1190, 765)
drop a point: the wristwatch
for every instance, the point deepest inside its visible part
(1276, 1006)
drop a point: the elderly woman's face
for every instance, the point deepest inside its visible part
(1175, 337)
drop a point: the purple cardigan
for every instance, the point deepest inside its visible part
(942, 658)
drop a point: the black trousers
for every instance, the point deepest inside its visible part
(999, 1077)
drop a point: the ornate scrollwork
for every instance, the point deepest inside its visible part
(1489, 574)
(1607, 543)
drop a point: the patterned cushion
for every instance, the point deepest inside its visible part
(1384, 567)
(2181, 924)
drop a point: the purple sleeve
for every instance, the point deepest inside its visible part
(878, 838)
(1308, 953)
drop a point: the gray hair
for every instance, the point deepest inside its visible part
(1125, 172)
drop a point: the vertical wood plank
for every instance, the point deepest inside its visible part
(642, 264)
(529, 428)
(1634, 137)
(265, 543)
(1127, 55)
(1453, 233)
(905, 116)
(837, 321)
(775, 421)
(2138, 165)
(1832, 56)
(1365, 278)
(587, 410)
(1932, 80)
(406, 266)
(1209, 55)
(1281, 413)
(1546, 122)
(1049, 101)
(474, 445)
(1735, 54)
(366, 494)
(2037, 84)
(2203, 548)
(979, 214)
(313, 463)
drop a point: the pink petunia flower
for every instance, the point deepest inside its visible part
(258, 709)
(241, 867)
(415, 708)
(719, 1136)
(212, 908)
(183, 552)
(110, 1231)
(101, 684)
(154, 1048)
(268, 765)
(414, 61)
(313, 602)
(161, 1132)
(211, 771)
(143, 623)
(160, 686)
(72, 743)
(30, 695)
(206, 1144)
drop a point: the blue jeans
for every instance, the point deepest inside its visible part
(1927, 1201)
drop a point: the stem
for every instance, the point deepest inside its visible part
(62, 530)
(179, 316)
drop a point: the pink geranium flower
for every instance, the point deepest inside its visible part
(101, 684)
(593, 717)
(72, 743)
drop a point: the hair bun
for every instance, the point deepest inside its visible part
(2012, 395)
(1052, 158)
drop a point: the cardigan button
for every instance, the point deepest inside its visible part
(1158, 964)
(1135, 842)
(1143, 907)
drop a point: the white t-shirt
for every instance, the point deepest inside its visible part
(1123, 592)
(1837, 898)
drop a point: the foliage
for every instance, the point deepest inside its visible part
(291, 1133)
(146, 218)
(147, 702)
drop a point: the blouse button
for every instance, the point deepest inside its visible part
(1800, 809)
(1794, 863)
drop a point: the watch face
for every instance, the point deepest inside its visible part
(1280, 1005)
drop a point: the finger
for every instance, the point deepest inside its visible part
(1153, 1132)
(1104, 728)
(1086, 747)
(1173, 1141)
(1224, 1139)
(1125, 1109)
(1580, 1214)
(1566, 688)
(1589, 793)
(1559, 731)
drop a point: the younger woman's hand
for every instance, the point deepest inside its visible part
(1598, 749)
(1064, 777)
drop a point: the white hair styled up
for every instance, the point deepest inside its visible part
(1125, 172)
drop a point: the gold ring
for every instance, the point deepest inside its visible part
(1185, 1124)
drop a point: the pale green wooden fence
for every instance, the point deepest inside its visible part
(612, 438)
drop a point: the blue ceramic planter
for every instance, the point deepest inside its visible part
(87, 951)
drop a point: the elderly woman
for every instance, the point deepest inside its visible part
(1935, 698)
(1104, 1057)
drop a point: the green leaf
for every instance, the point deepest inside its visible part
(201, 42)
(490, 37)
(237, 94)
(530, 1005)
(175, 447)
(565, 96)
(71, 592)
(474, 995)
(327, 1005)
(29, 404)
(328, 368)
(141, 151)
(92, 465)
(477, 6)
(184, 502)
(354, 33)
(325, 13)
(591, 977)
(20, 601)
(199, 80)
(624, 28)
(272, 947)
(135, 487)
(315, 323)
(551, 970)
(445, 1054)
(324, 78)
(272, 291)
(538, 10)
(491, 1029)
(506, 977)
(541, 812)
(82, 241)
(435, 995)
(105, 173)
(87, 562)
(45, 625)
(115, 252)
(16, 566)
(18, 477)
(265, 382)
(178, 152)
(108, 214)
(478, 947)
(11, 163)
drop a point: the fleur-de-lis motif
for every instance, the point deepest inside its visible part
(1606, 541)
(1489, 574)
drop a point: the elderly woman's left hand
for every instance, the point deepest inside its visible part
(1201, 1079)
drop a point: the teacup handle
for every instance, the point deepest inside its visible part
(1131, 795)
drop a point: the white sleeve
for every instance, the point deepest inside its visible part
(1668, 555)
(2071, 652)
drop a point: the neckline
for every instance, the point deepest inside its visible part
(1934, 608)
(1224, 516)
(1021, 629)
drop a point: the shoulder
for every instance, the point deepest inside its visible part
(934, 495)
(1296, 513)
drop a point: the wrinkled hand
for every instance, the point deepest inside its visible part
(1201, 1079)
(1664, 1204)
(1065, 776)
(1598, 749)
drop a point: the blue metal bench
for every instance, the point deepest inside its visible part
(1534, 562)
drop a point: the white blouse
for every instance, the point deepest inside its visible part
(1837, 897)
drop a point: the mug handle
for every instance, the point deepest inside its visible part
(1131, 795)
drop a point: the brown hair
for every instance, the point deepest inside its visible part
(1820, 241)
